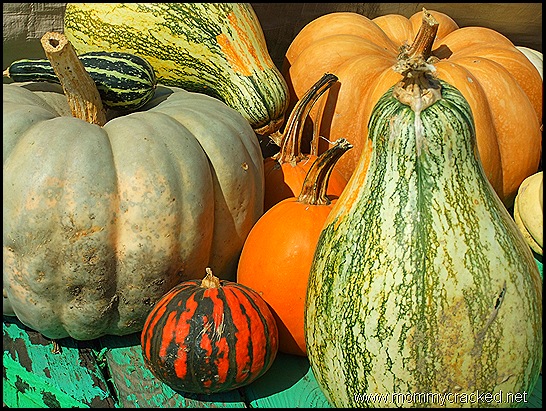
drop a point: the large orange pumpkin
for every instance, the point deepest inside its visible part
(503, 88)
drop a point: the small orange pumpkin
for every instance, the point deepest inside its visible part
(503, 88)
(279, 250)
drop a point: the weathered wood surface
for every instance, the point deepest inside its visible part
(136, 386)
(110, 373)
(35, 376)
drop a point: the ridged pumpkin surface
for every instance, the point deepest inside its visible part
(100, 222)
(204, 339)
(213, 48)
(421, 282)
(503, 88)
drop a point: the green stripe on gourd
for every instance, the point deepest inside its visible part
(213, 48)
(124, 81)
(422, 283)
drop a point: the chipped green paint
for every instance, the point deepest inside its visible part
(23, 389)
(213, 48)
(136, 386)
(289, 383)
(34, 374)
(421, 281)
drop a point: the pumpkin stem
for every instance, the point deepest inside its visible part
(419, 88)
(313, 191)
(422, 44)
(210, 280)
(290, 147)
(78, 86)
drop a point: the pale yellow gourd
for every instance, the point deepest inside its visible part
(529, 211)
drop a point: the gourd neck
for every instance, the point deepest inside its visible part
(419, 88)
(314, 187)
(78, 86)
(290, 146)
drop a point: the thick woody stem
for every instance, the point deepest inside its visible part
(290, 147)
(419, 88)
(78, 86)
(422, 44)
(315, 185)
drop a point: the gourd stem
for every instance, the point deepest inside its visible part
(313, 191)
(422, 44)
(290, 148)
(78, 86)
(316, 128)
(210, 280)
(419, 88)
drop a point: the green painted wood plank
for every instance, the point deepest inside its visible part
(289, 383)
(33, 374)
(136, 386)
(23, 389)
(35, 377)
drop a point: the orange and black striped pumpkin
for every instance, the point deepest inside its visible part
(208, 336)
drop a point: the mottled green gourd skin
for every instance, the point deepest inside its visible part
(213, 48)
(420, 282)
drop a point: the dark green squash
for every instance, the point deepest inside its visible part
(124, 81)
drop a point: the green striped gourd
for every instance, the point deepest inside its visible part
(421, 282)
(124, 81)
(214, 48)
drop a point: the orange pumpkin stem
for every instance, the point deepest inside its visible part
(422, 45)
(210, 280)
(78, 86)
(313, 191)
(290, 148)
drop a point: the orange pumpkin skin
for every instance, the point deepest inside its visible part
(278, 252)
(275, 262)
(503, 88)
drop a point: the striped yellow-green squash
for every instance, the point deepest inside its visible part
(421, 282)
(214, 48)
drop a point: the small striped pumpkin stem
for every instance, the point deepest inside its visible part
(210, 280)
(290, 144)
(80, 90)
(314, 187)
